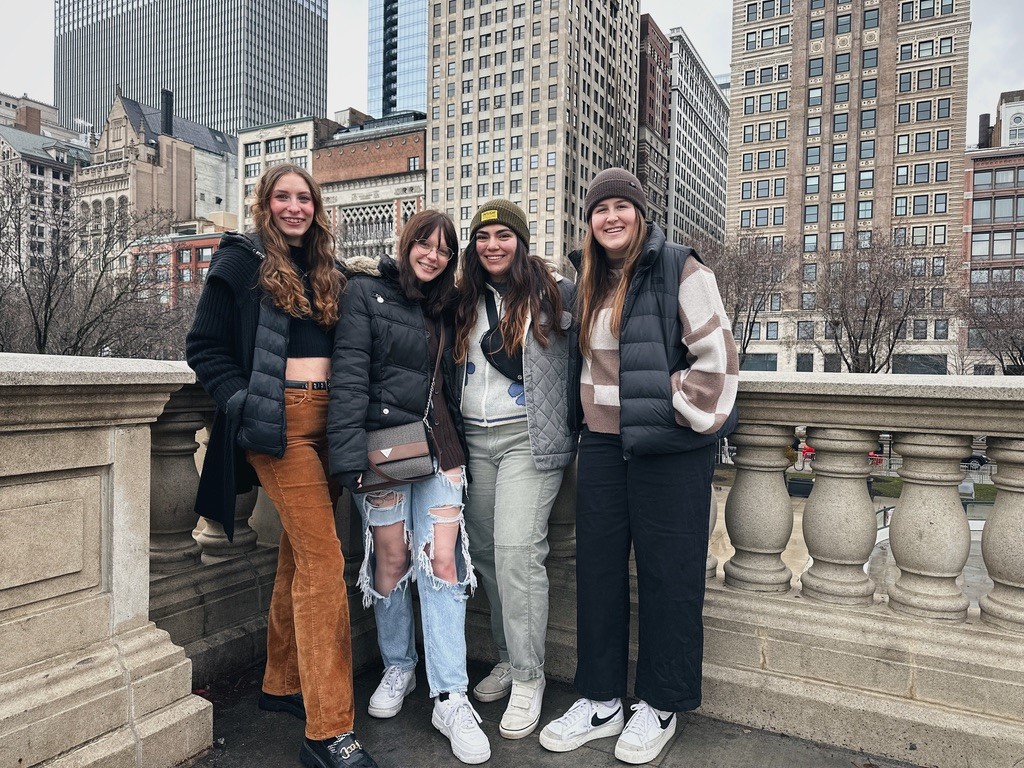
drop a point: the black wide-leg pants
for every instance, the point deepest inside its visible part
(660, 505)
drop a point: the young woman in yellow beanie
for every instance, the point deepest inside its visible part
(658, 390)
(515, 337)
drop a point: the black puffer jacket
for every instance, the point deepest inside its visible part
(380, 372)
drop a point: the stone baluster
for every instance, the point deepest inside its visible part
(213, 540)
(758, 512)
(839, 520)
(174, 480)
(1002, 541)
(929, 535)
(562, 522)
(711, 565)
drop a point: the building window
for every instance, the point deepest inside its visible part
(843, 24)
(275, 145)
(817, 29)
(805, 362)
(252, 149)
(815, 67)
(842, 62)
(869, 58)
(299, 141)
(871, 18)
(869, 88)
(805, 329)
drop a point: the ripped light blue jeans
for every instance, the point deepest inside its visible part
(442, 603)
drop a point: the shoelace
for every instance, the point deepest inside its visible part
(393, 680)
(579, 711)
(644, 721)
(462, 716)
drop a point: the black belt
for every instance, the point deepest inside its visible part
(291, 384)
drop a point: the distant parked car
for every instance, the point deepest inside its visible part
(975, 461)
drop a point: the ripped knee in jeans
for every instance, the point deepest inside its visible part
(444, 560)
(387, 564)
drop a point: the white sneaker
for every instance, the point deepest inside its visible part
(396, 684)
(582, 723)
(523, 711)
(456, 719)
(496, 685)
(645, 735)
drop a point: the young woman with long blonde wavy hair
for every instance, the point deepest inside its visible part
(261, 346)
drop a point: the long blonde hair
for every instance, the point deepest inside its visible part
(278, 277)
(596, 281)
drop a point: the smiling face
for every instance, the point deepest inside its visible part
(429, 256)
(613, 224)
(496, 248)
(292, 207)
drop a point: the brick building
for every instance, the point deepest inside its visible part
(374, 179)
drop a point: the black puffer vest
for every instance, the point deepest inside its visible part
(651, 350)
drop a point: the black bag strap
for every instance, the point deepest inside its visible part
(492, 308)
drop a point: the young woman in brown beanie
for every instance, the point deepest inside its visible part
(281, 285)
(658, 390)
(516, 340)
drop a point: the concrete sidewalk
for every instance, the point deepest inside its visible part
(245, 736)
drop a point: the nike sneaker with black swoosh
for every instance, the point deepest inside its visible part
(645, 735)
(584, 721)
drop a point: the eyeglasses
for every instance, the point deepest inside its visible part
(443, 252)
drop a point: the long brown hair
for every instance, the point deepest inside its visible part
(530, 283)
(439, 293)
(596, 281)
(278, 276)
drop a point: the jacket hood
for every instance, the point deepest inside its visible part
(249, 241)
(361, 265)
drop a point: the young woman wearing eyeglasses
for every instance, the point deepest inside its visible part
(394, 317)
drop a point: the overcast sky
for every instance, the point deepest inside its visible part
(996, 64)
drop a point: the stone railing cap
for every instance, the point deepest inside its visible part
(59, 370)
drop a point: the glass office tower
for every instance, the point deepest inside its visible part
(397, 71)
(230, 64)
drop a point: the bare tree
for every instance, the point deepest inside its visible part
(868, 297)
(995, 318)
(749, 274)
(75, 285)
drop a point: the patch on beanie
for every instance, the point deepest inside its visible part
(488, 215)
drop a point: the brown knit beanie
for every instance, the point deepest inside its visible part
(615, 182)
(503, 212)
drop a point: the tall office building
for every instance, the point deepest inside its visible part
(698, 149)
(848, 127)
(231, 64)
(397, 71)
(654, 118)
(528, 100)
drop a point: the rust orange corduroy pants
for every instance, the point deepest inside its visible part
(309, 640)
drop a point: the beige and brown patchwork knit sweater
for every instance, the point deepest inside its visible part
(702, 394)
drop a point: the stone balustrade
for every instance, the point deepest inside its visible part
(85, 677)
(915, 672)
(907, 667)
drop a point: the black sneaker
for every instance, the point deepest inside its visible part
(291, 703)
(343, 751)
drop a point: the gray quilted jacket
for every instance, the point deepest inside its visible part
(551, 377)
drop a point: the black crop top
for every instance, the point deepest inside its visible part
(305, 337)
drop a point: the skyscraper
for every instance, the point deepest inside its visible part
(230, 63)
(528, 100)
(397, 71)
(698, 149)
(847, 130)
